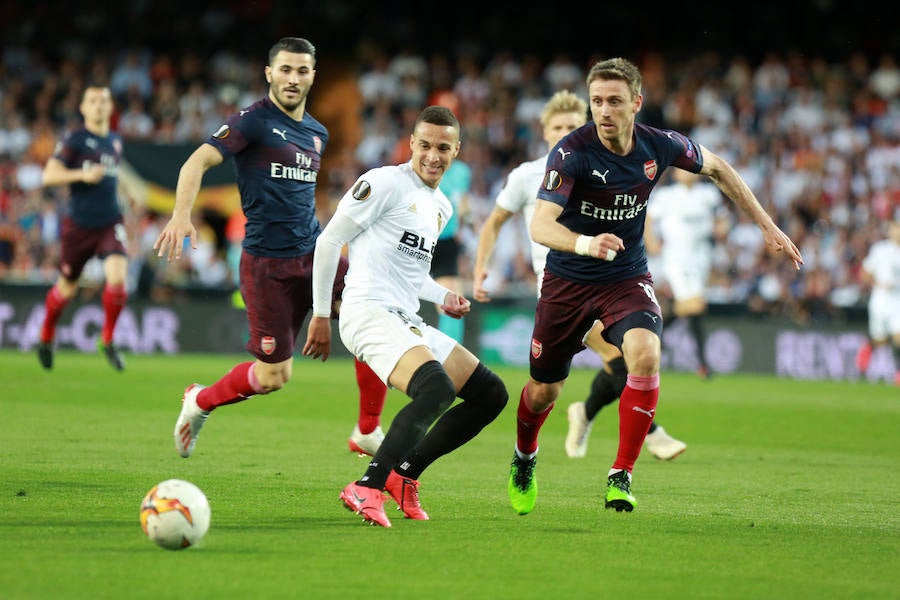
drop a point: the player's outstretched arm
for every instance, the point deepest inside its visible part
(732, 185)
(487, 241)
(171, 238)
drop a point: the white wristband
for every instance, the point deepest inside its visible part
(583, 245)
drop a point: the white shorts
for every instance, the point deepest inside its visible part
(379, 336)
(884, 314)
(687, 279)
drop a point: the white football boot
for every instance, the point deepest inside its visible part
(190, 421)
(579, 431)
(365, 443)
(662, 445)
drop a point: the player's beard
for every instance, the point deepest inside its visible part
(97, 119)
(291, 104)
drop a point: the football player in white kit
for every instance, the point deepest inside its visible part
(881, 270)
(391, 219)
(681, 218)
(563, 113)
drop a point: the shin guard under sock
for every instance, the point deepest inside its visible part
(637, 407)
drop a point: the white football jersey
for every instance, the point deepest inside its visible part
(684, 219)
(401, 219)
(883, 263)
(519, 194)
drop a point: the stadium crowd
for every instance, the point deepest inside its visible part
(817, 140)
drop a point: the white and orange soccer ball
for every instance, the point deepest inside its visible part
(175, 514)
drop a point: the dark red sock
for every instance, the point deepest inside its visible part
(528, 425)
(372, 393)
(637, 405)
(236, 386)
(114, 297)
(54, 303)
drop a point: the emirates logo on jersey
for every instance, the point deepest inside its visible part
(537, 348)
(650, 169)
(267, 345)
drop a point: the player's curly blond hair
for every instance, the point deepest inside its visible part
(563, 101)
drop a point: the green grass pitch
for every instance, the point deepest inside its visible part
(787, 489)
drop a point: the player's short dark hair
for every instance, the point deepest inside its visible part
(95, 84)
(294, 45)
(438, 115)
(617, 68)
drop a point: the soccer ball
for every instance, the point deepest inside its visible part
(175, 514)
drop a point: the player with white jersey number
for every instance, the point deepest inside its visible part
(590, 211)
(562, 114)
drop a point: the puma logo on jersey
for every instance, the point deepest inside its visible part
(649, 413)
(244, 112)
(563, 153)
(602, 176)
(282, 133)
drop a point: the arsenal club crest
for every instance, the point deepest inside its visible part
(537, 348)
(267, 345)
(650, 169)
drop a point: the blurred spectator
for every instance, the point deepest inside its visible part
(131, 75)
(817, 140)
(135, 123)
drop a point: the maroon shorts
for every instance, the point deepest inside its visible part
(79, 244)
(278, 295)
(567, 310)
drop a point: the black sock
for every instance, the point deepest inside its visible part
(695, 324)
(606, 387)
(483, 398)
(431, 392)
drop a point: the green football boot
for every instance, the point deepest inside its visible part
(522, 484)
(618, 492)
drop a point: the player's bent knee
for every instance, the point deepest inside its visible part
(485, 389)
(430, 386)
(271, 379)
(542, 395)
